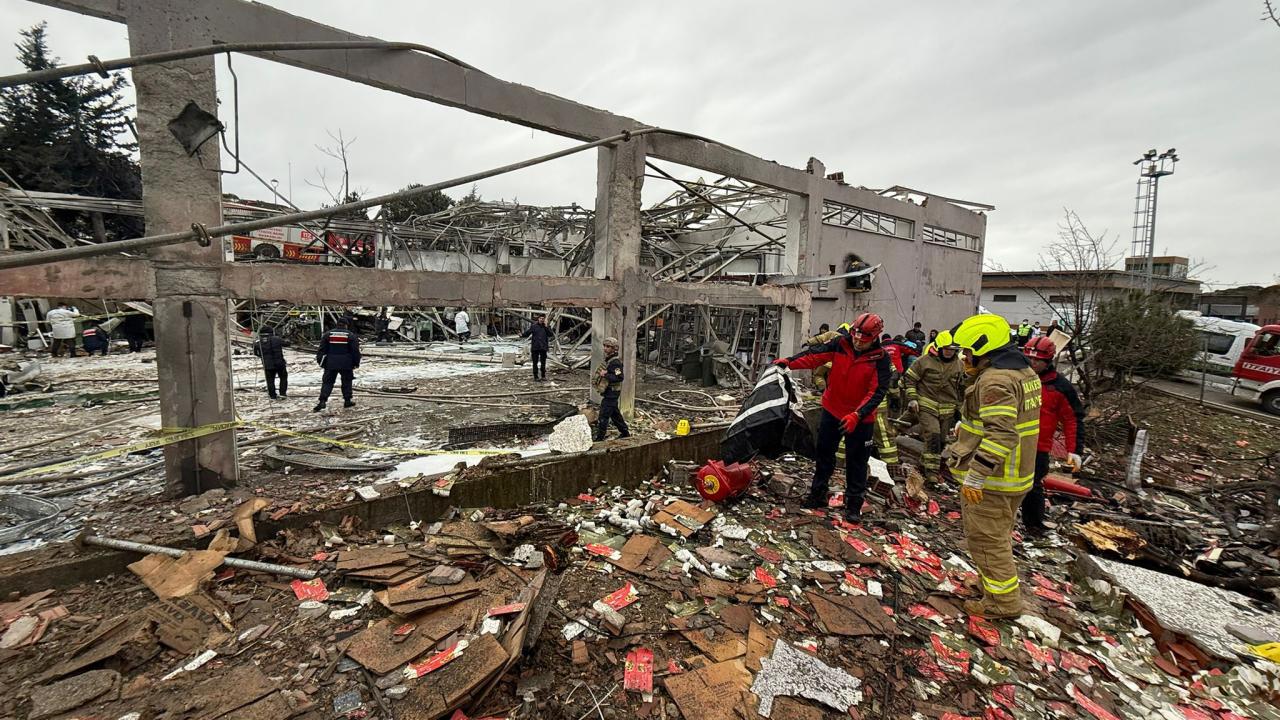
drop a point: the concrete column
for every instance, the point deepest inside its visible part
(804, 232)
(8, 314)
(619, 177)
(192, 322)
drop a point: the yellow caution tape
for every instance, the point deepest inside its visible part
(167, 438)
(1270, 651)
(173, 435)
(378, 448)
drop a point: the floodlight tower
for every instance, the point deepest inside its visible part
(1151, 167)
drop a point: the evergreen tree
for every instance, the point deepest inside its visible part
(401, 210)
(69, 136)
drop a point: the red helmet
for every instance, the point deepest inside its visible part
(1041, 348)
(866, 327)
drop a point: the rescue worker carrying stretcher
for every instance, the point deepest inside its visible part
(1060, 406)
(856, 385)
(935, 387)
(995, 455)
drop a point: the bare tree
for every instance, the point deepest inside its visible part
(1269, 13)
(337, 151)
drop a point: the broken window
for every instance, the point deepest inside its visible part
(942, 236)
(834, 213)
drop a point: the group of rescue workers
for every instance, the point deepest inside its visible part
(1005, 398)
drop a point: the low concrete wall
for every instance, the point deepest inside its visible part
(511, 484)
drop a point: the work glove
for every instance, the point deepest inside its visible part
(782, 362)
(971, 490)
(850, 423)
(913, 406)
(1074, 462)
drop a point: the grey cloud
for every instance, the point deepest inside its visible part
(1028, 106)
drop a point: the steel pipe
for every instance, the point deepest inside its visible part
(199, 232)
(254, 565)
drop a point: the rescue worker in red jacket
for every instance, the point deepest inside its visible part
(1060, 406)
(858, 381)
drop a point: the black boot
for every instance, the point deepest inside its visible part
(814, 501)
(348, 403)
(318, 408)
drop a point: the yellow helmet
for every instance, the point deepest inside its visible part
(981, 334)
(844, 326)
(944, 339)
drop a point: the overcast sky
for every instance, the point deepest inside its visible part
(1028, 106)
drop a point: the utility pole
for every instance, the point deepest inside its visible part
(1151, 167)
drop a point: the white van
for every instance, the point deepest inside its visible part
(1221, 341)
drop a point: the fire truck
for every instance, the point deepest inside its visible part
(346, 239)
(1258, 368)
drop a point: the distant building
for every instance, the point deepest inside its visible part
(1247, 303)
(1045, 295)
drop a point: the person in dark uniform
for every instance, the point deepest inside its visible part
(539, 343)
(95, 339)
(382, 324)
(608, 382)
(270, 347)
(134, 328)
(339, 354)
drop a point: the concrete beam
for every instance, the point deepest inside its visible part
(121, 278)
(440, 81)
(109, 278)
(332, 284)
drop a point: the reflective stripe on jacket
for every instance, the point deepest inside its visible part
(1000, 424)
(935, 383)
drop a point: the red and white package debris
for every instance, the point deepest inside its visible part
(769, 554)
(1054, 596)
(934, 508)
(949, 658)
(506, 609)
(984, 631)
(621, 597)
(310, 589)
(854, 582)
(782, 601)
(928, 612)
(638, 673)
(1090, 705)
(765, 578)
(435, 662)
(1042, 656)
(404, 630)
(587, 498)
(603, 551)
(859, 545)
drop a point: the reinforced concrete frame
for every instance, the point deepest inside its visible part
(192, 286)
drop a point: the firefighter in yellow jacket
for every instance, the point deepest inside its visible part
(995, 455)
(935, 387)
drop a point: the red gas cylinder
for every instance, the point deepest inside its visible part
(718, 482)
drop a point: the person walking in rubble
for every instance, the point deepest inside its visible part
(539, 345)
(462, 325)
(95, 339)
(270, 347)
(995, 455)
(1060, 406)
(62, 326)
(339, 355)
(934, 385)
(608, 382)
(134, 327)
(856, 385)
